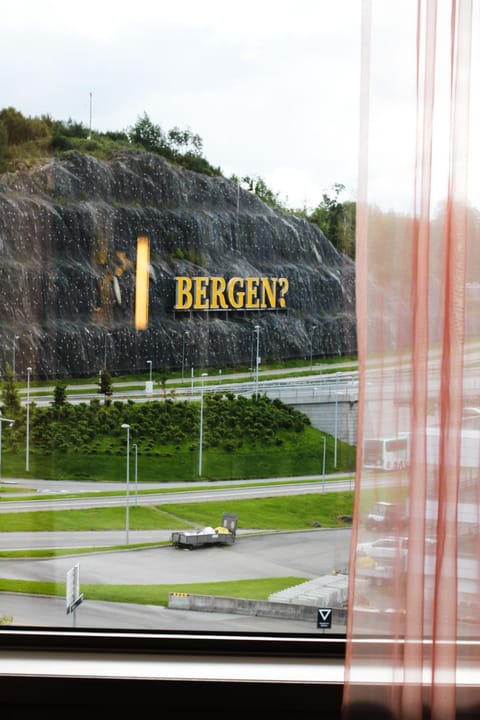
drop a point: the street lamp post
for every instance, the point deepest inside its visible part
(149, 362)
(200, 444)
(324, 461)
(15, 338)
(10, 422)
(185, 333)
(312, 330)
(251, 368)
(136, 473)
(90, 125)
(336, 423)
(257, 358)
(27, 445)
(105, 350)
(126, 427)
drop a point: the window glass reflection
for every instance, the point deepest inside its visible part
(178, 332)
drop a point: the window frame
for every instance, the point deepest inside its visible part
(293, 661)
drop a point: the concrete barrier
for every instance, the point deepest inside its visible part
(242, 606)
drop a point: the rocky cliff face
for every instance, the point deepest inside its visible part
(68, 237)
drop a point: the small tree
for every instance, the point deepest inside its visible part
(336, 220)
(21, 129)
(59, 395)
(105, 383)
(185, 140)
(3, 145)
(10, 395)
(162, 380)
(146, 133)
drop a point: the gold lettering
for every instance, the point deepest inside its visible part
(217, 293)
(252, 301)
(236, 299)
(184, 298)
(200, 293)
(284, 285)
(269, 292)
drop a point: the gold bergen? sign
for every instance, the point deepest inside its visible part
(216, 293)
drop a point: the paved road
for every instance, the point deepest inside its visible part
(306, 554)
(196, 494)
(50, 612)
(214, 376)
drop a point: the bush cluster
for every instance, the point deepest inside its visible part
(26, 138)
(157, 426)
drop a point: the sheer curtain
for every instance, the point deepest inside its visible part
(417, 597)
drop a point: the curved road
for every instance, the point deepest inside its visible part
(307, 554)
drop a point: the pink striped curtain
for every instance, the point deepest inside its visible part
(413, 647)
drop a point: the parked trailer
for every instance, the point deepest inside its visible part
(223, 535)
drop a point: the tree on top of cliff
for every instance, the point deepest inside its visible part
(336, 220)
(181, 146)
(148, 134)
(259, 187)
(29, 139)
(16, 129)
(22, 129)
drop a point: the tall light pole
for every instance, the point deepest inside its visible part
(126, 427)
(15, 338)
(324, 461)
(200, 444)
(136, 473)
(252, 369)
(90, 126)
(312, 330)
(185, 333)
(10, 422)
(257, 358)
(105, 350)
(149, 362)
(336, 422)
(27, 446)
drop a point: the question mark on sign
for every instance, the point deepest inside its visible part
(283, 282)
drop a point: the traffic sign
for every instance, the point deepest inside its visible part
(73, 597)
(324, 618)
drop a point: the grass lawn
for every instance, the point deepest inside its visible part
(298, 512)
(256, 589)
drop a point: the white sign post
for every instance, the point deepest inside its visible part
(73, 597)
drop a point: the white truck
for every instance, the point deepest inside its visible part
(225, 534)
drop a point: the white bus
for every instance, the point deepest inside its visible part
(387, 453)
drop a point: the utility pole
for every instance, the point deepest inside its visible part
(90, 125)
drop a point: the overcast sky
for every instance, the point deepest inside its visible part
(271, 86)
